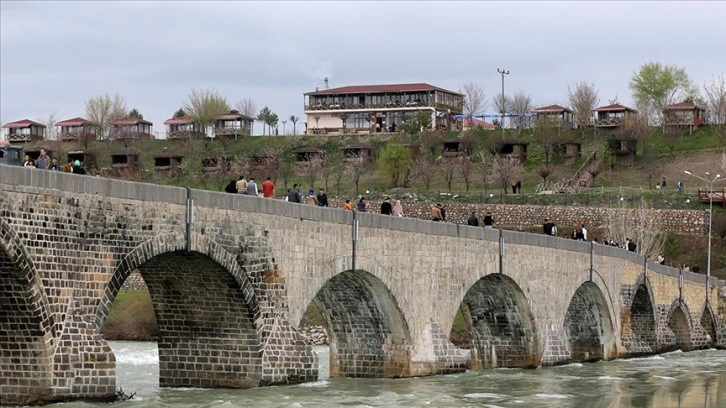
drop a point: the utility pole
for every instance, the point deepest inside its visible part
(502, 107)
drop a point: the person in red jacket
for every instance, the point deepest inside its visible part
(268, 188)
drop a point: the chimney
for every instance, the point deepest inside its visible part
(326, 83)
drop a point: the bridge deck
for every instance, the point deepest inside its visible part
(705, 196)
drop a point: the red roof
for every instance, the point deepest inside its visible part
(614, 108)
(73, 122)
(179, 120)
(473, 122)
(22, 124)
(352, 89)
(685, 105)
(130, 121)
(553, 109)
(233, 115)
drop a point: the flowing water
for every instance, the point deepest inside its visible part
(688, 380)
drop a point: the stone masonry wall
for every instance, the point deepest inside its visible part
(524, 216)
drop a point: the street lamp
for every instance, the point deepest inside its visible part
(710, 221)
(502, 107)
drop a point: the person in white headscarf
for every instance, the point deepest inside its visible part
(398, 209)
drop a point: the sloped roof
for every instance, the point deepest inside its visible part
(552, 109)
(685, 105)
(232, 115)
(22, 124)
(614, 108)
(380, 89)
(79, 121)
(473, 122)
(179, 120)
(130, 121)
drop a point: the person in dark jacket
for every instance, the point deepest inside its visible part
(473, 221)
(361, 206)
(293, 196)
(77, 168)
(231, 186)
(386, 207)
(322, 198)
(488, 221)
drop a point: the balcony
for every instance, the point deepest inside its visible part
(374, 106)
(609, 122)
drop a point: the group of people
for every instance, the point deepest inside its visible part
(474, 221)
(395, 209)
(249, 187)
(45, 162)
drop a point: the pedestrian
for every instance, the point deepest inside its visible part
(78, 169)
(43, 162)
(398, 209)
(293, 196)
(663, 185)
(488, 221)
(584, 233)
(322, 198)
(680, 186)
(28, 162)
(519, 187)
(268, 188)
(241, 185)
(436, 213)
(361, 205)
(473, 221)
(386, 207)
(231, 187)
(252, 188)
(54, 164)
(348, 205)
(547, 227)
(443, 212)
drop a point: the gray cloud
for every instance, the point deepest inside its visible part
(55, 55)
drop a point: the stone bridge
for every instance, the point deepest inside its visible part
(230, 277)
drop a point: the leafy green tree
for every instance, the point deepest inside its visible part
(656, 85)
(134, 113)
(395, 160)
(204, 105)
(180, 113)
(264, 117)
(294, 119)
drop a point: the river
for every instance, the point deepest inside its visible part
(687, 380)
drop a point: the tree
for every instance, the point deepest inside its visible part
(395, 160)
(656, 85)
(448, 170)
(50, 124)
(547, 136)
(134, 113)
(203, 106)
(583, 100)
(271, 121)
(431, 142)
(715, 100)
(104, 109)
(331, 166)
(264, 117)
(544, 172)
(503, 104)
(521, 106)
(312, 168)
(425, 169)
(484, 165)
(180, 113)
(247, 107)
(294, 119)
(355, 167)
(466, 170)
(474, 99)
(506, 169)
(638, 225)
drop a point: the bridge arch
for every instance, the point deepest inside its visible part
(503, 329)
(588, 326)
(370, 336)
(638, 320)
(206, 311)
(27, 332)
(680, 324)
(708, 322)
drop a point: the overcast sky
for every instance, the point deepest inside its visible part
(55, 55)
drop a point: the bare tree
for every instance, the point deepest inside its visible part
(544, 172)
(294, 119)
(204, 105)
(484, 165)
(466, 170)
(503, 104)
(355, 167)
(50, 124)
(474, 99)
(583, 100)
(506, 169)
(425, 169)
(521, 107)
(313, 168)
(448, 168)
(104, 109)
(637, 224)
(715, 99)
(247, 107)
(547, 136)
(331, 166)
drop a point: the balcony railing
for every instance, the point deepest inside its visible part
(23, 137)
(76, 136)
(609, 122)
(231, 131)
(385, 105)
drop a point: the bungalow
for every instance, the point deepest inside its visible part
(613, 116)
(23, 131)
(474, 123)
(683, 115)
(182, 127)
(131, 128)
(378, 108)
(232, 125)
(76, 130)
(357, 150)
(555, 114)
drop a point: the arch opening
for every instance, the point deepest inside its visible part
(588, 328)
(678, 323)
(503, 330)
(709, 325)
(369, 336)
(207, 336)
(642, 322)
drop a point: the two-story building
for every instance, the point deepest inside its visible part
(76, 130)
(23, 131)
(131, 128)
(232, 125)
(683, 115)
(555, 115)
(378, 108)
(613, 117)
